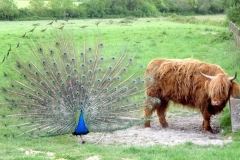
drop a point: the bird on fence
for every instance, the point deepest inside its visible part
(54, 85)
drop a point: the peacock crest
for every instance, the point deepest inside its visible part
(57, 81)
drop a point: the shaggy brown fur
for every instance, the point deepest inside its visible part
(181, 82)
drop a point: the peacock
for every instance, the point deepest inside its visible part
(57, 81)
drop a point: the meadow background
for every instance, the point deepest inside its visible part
(206, 38)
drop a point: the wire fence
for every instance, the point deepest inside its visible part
(236, 32)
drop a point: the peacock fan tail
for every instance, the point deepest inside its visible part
(57, 82)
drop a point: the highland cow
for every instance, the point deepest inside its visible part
(189, 82)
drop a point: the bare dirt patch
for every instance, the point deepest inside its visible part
(182, 128)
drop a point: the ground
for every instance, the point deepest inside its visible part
(184, 126)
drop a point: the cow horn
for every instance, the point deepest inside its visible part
(234, 77)
(204, 75)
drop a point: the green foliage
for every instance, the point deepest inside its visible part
(62, 9)
(167, 6)
(148, 10)
(95, 8)
(233, 13)
(120, 8)
(232, 10)
(8, 9)
(193, 3)
(203, 6)
(230, 3)
(189, 6)
(217, 6)
(225, 121)
(37, 7)
(236, 136)
(223, 36)
(25, 12)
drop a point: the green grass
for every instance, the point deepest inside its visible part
(158, 38)
(66, 147)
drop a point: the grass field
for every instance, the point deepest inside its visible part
(159, 38)
(211, 17)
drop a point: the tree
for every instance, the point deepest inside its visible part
(148, 9)
(167, 6)
(233, 13)
(37, 7)
(61, 8)
(230, 3)
(95, 8)
(8, 9)
(233, 10)
(203, 7)
(216, 6)
(193, 3)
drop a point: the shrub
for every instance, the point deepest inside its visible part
(223, 36)
(233, 13)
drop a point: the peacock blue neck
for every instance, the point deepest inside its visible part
(81, 127)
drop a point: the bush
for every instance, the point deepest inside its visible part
(223, 36)
(25, 13)
(233, 13)
(148, 10)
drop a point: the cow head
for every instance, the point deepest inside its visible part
(219, 88)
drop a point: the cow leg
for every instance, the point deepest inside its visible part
(148, 111)
(161, 112)
(206, 122)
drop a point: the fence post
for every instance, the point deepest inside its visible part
(236, 33)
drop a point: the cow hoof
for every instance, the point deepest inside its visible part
(208, 130)
(147, 124)
(165, 125)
